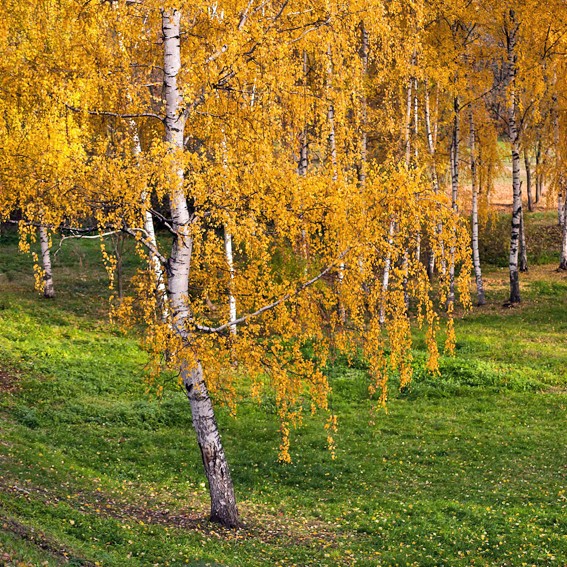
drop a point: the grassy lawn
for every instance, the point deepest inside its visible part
(469, 468)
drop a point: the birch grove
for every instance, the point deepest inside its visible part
(307, 166)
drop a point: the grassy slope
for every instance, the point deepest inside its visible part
(468, 468)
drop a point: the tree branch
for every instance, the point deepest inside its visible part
(136, 232)
(163, 220)
(275, 303)
(82, 236)
(117, 114)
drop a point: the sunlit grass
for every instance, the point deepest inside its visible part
(464, 468)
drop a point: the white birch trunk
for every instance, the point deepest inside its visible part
(230, 263)
(408, 122)
(563, 261)
(454, 191)
(386, 275)
(516, 188)
(481, 300)
(48, 287)
(430, 141)
(229, 256)
(223, 501)
(153, 260)
(528, 167)
(334, 163)
(364, 108)
(523, 263)
(434, 176)
(415, 117)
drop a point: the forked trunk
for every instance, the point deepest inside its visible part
(223, 502)
(48, 288)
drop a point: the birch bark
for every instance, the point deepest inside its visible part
(528, 180)
(538, 174)
(364, 107)
(454, 190)
(481, 300)
(230, 263)
(563, 261)
(512, 35)
(223, 501)
(153, 260)
(48, 287)
(434, 176)
(523, 265)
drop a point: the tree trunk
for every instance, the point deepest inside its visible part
(481, 300)
(48, 288)
(223, 501)
(528, 180)
(434, 176)
(303, 161)
(386, 275)
(430, 141)
(230, 263)
(153, 260)
(563, 261)
(516, 187)
(523, 247)
(415, 117)
(364, 40)
(334, 164)
(538, 174)
(331, 118)
(408, 123)
(454, 191)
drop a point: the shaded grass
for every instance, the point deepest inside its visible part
(467, 467)
(543, 239)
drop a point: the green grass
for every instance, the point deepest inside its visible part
(543, 238)
(465, 468)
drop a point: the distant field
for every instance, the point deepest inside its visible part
(468, 468)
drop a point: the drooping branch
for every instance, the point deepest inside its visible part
(138, 234)
(275, 303)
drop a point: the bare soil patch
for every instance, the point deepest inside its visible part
(9, 382)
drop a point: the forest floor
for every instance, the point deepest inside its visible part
(467, 468)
